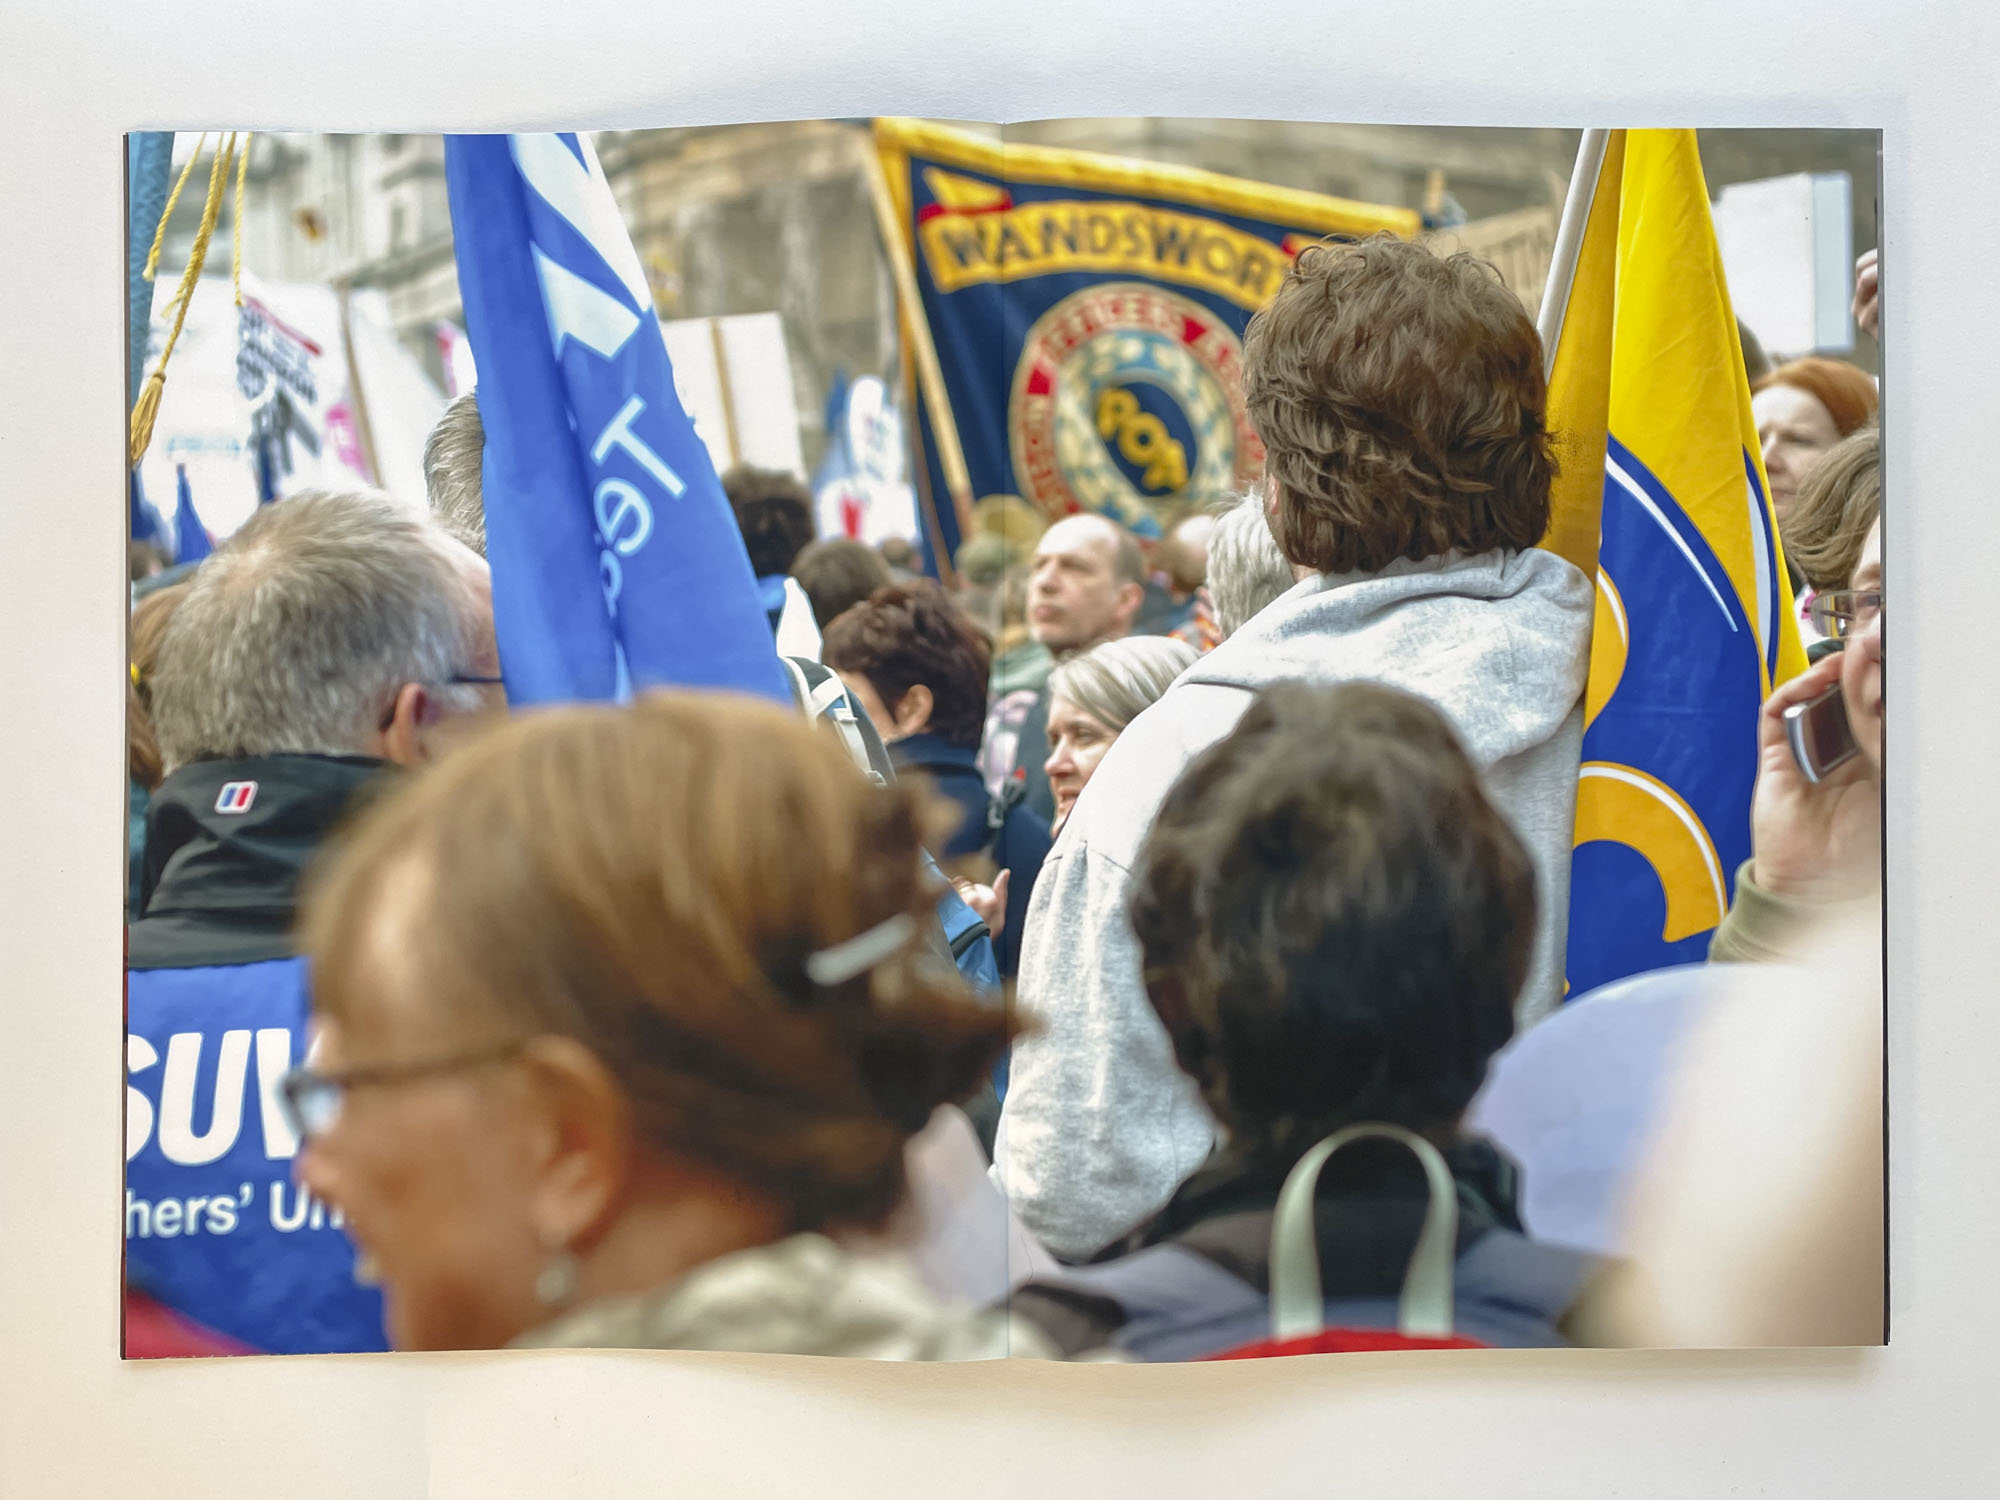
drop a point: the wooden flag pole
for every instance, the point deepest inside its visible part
(723, 389)
(364, 431)
(920, 475)
(930, 376)
(1569, 242)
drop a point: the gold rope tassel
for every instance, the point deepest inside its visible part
(148, 408)
(160, 234)
(236, 222)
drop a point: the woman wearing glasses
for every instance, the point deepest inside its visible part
(621, 1012)
(1830, 521)
(1816, 846)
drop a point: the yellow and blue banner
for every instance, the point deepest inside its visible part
(1663, 497)
(1088, 313)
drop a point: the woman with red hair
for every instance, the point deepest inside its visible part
(1802, 409)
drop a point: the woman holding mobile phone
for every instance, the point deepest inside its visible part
(1816, 822)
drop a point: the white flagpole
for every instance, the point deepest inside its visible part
(1569, 242)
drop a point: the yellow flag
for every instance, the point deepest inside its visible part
(1662, 497)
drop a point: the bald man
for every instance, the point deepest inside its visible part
(1085, 586)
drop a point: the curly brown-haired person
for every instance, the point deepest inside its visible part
(918, 669)
(1335, 920)
(1401, 401)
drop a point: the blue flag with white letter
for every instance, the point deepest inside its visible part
(191, 542)
(617, 563)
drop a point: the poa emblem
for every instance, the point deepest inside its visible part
(1127, 396)
(236, 797)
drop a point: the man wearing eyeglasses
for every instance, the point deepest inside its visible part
(1816, 846)
(334, 637)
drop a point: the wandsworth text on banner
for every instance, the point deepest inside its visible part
(1088, 313)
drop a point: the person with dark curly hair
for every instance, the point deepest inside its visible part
(1401, 401)
(1334, 921)
(918, 669)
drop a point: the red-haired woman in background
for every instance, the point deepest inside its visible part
(1802, 409)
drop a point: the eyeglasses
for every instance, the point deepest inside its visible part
(1845, 612)
(310, 1100)
(457, 679)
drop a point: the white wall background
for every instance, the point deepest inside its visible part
(1912, 1420)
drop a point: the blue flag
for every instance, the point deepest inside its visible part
(148, 162)
(617, 563)
(267, 472)
(191, 543)
(148, 525)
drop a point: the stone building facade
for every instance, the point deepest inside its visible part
(777, 217)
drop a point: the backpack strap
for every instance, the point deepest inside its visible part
(824, 697)
(1425, 1310)
(801, 684)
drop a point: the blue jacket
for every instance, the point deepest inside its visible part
(216, 1010)
(1020, 846)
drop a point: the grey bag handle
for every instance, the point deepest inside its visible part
(1298, 1309)
(829, 701)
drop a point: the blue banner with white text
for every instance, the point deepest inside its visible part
(617, 564)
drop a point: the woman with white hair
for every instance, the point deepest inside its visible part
(1092, 697)
(1246, 571)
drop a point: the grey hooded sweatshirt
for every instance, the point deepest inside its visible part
(1099, 1125)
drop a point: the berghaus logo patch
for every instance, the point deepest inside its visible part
(236, 797)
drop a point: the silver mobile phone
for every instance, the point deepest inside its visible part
(1819, 734)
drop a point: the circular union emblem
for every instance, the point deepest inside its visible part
(1127, 396)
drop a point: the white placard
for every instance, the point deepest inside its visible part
(754, 419)
(1787, 249)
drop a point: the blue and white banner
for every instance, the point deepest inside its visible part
(148, 169)
(215, 1226)
(859, 489)
(617, 564)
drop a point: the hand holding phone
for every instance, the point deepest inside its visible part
(1815, 818)
(1819, 734)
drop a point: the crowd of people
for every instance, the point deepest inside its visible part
(649, 1025)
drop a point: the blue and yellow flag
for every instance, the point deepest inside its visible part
(1663, 495)
(1088, 313)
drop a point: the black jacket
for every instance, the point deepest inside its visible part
(221, 887)
(1031, 750)
(217, 1010)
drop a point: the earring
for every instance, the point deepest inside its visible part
(556, 1286)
